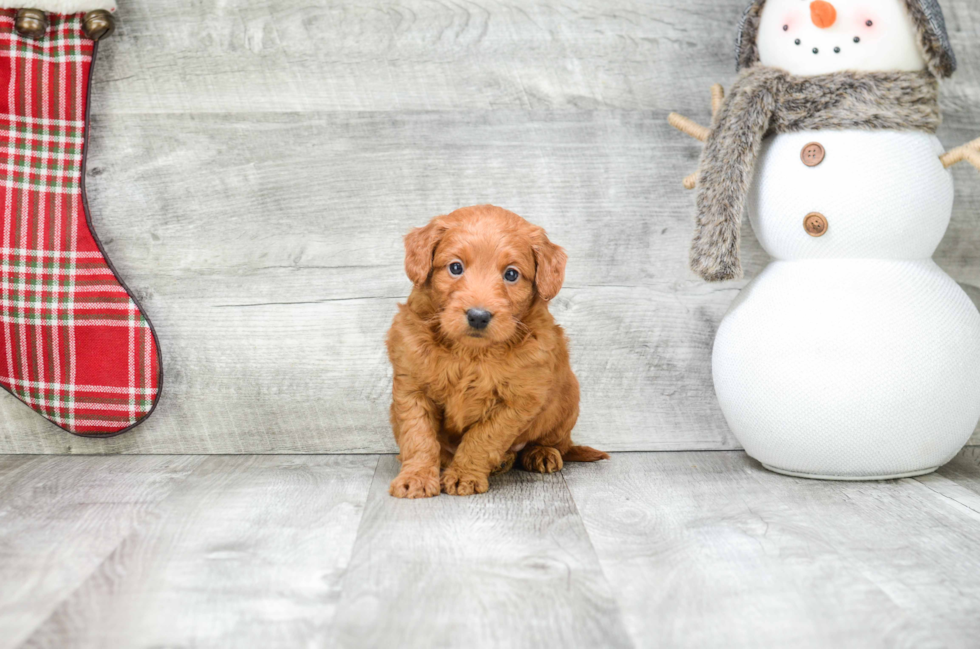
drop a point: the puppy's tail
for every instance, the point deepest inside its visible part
(583, 454)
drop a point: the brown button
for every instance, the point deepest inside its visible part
(813, 154)
(815, 224)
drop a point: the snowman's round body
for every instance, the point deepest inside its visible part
(852, 355)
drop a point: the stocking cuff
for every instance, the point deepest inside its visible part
(59, 6)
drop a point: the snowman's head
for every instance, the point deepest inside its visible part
(811, 37)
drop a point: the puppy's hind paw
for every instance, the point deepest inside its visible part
(456, 484)
(541, 459)
(415, 485)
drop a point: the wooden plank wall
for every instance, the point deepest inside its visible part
(254, 165)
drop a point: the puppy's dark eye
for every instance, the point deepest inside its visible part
(456, 269)
(511, 275)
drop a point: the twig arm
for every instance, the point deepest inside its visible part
(973, 157)
(717, 97)
(692, 181)
(689, 127)
(695, 130)
(969, 152)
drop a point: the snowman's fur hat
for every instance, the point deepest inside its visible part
(927, 16)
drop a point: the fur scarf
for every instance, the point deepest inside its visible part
(767, 101)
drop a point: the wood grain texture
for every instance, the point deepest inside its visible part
(273, 328)
(698, 549)
(959, 480)
(510, 568)
(255, 164)
(709, 549)
(410, 55)
(247, 552)
(965, 469)
(61, 518)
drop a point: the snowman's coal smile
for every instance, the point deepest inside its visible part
(816, 50)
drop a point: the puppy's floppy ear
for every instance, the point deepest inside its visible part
(420, 245)
(550, 259)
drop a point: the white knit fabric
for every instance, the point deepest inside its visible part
(850, 367)
(889, 43)
(853, 355)
(60, 6)
(885, 195)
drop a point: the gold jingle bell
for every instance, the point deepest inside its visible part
(31, 23)
(98, 24)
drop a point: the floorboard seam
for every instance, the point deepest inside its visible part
(331, 629)
(946, 496)
(137, 528)
(358, 452)
(598, 561)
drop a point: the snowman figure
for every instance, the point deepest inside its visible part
(852, 355)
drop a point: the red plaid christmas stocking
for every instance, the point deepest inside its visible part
(74, 344)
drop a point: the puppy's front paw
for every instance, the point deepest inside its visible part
(455, 483)
(506, 465)
(542, 459)
(415, 484)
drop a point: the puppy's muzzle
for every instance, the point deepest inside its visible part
(478, 318)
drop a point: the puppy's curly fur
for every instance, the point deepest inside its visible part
(466, 399)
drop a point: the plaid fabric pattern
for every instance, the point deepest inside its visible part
(74, 346)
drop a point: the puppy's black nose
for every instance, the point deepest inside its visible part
(478, 318)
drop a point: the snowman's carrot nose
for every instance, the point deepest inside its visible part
(823, 14)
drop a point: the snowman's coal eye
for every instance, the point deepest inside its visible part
(857, 39)
(797, 41)
(836, 50)
(816, 50)
(785, 28)
(869, 23)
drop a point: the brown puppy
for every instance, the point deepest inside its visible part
(481, 369)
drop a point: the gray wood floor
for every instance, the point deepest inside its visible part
(693, 549)
(255, 163)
